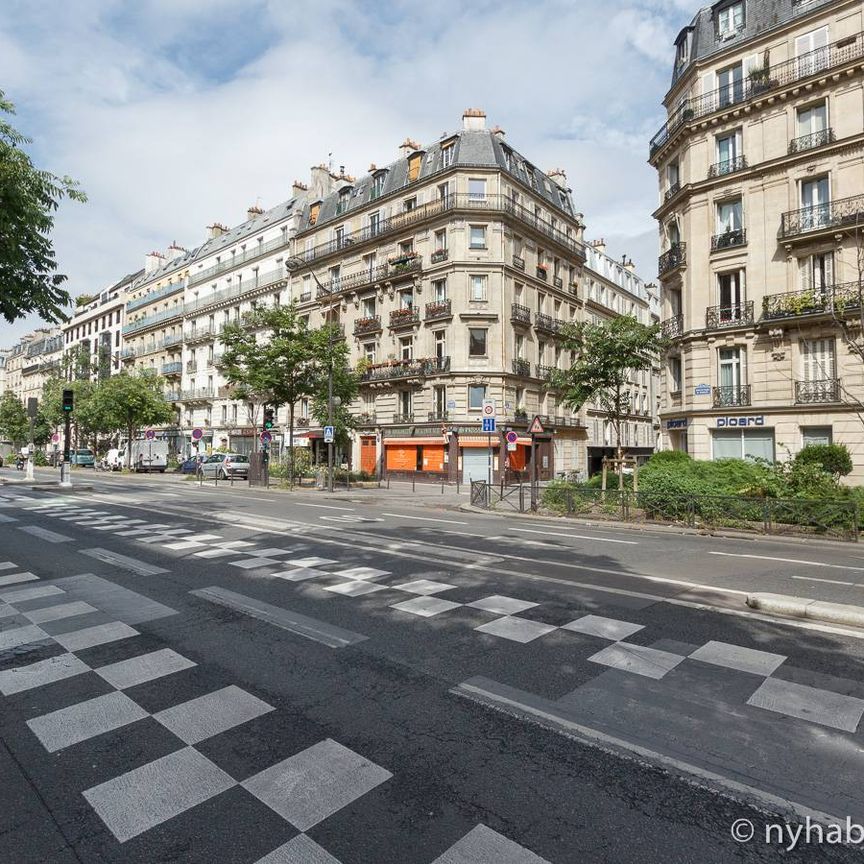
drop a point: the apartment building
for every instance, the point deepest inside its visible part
(93, 336)
(612, 288)
(41, 360)
(4, 357)
(761, 213)
(451, 271)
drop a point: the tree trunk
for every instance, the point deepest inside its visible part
(291, 444)
(129, 446)
(619, 452)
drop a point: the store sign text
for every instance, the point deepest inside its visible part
(736, 422)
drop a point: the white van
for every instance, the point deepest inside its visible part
(149, 455)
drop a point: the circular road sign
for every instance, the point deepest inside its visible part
(488, 410)
(197, 434)
(266, 437)
(55, 437)
(512, 437)
(149, 434)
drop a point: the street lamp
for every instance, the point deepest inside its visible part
(295, 265)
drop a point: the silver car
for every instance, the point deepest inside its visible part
(223, 466)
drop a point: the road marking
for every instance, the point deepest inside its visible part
(324, 506)
(788, 561)
(424, 519)
(45, 534)
(123, 561)
(562, 536)
(828, 581)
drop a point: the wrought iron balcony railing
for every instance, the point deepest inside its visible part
(201, 334)
(153, 320)
(738, 315)
(672, 258)
(438, 309)
(760, 81)
(729, 240)
(371, 324)
(732, 397)
(671, 328)
(396, 369)
(438, 416)
(158, 294)
(520, 314)
(842, 213)
(439, 255)
(814, 139)
(238, 289)
(404, 317)
(728, 166)
(827, 390)
(369, 276)
(833, 299)
(518, 262)
(242, 257)
(197, 394)
(403, 418)
(522, 367)
(545, 372)
(671, 192)
(172, 368)
(541, 273)
(546, 323)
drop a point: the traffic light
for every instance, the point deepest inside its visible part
(269, 417)
(68, 400)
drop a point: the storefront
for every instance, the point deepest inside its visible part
(410, 455)
(742, 437)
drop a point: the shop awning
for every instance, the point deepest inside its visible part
(407, 442)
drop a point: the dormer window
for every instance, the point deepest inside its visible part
(377, 185)
(682, 51)
(730, 19)
(344, 200)
(314, 210)
(415, 160)
(448, 150)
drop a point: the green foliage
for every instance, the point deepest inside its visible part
(833, 459)
(39, 458)
(608, 354)
(14, 425)
(29, 197)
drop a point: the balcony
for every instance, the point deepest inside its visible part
(191, 366)
(367, 418)
(811, 141)
(256, 285)
(438, 416)
(547, 324)
(827, 299)
(402, 266)
(158, 294)
(241, 258)
(395, 370)
(732, 397)
(172, 396)
(403, 418)
(522, 367)
(729, 240)
(672, 328)
(487, 204)
(672, 259)
(520, 314)
(816, 392)
(439, 256)
(545, 372)
(153, 320)
(372, 324)
(519, 262)
(721, 317)
(404, 318)
(557, 282)
(729, 166)
(671, 192)
(172, 369)
(438, 310)
(198, 394)
(760, 81)
(842, 213)
(201, 334)
(542, 273)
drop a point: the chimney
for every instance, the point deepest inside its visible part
(153, 261)
(473, 120)
(407, 147)
(498, 132)
(253, 212)
(321, 182)
(558, 176)
(175, 250)
(629, 266)
(599, 245)
(298, 189)
(217, 229)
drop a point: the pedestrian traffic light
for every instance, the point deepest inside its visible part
(68, 400)
(269, 417)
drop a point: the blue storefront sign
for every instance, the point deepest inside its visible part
(678, 423)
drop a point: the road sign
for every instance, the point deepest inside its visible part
(488, 407)
(329, 434)
(488, 424)
(266, 437)
(512, 437)
(536, 427)
(197, 434)
(510, 447)
(55, 438)
(149, 434)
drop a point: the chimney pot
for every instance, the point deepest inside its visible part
(473, 120)
(253, 211)
(217, 229)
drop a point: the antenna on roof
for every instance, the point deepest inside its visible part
(330, 162)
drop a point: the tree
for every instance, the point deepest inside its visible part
(14, 425)
(129, 402)
(345, 388)
(607, 356)
(29, 198)
(290, 364)
(86, 418)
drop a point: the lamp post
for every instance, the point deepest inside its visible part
(295, 265)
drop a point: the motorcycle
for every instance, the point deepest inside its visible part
(20, 463)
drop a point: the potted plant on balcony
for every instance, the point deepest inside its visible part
(439, 255)
(402, 261)
(542, 270)
(520, 413)
(362, 366)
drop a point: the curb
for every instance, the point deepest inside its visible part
(803, 607)
(650, 528)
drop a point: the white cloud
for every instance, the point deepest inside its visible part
(175, 114)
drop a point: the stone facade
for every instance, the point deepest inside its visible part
(761, 213)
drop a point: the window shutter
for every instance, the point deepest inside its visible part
(803, 44)
(828, 267)
(750, 63)
(708, 83)
(805, 274)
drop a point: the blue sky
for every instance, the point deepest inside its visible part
(175, 114)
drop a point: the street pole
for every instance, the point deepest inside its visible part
(65, 467)
(30, 451)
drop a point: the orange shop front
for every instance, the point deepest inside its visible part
(409, 455)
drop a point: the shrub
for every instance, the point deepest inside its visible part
(833, 459)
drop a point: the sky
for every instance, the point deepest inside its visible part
(173, 114)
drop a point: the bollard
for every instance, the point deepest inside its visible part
(388, 481)
(413, 480)
(442, 485)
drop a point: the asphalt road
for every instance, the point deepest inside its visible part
(379, 680)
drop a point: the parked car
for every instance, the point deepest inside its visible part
(84, 458)
(225, 465)
(190, 466)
